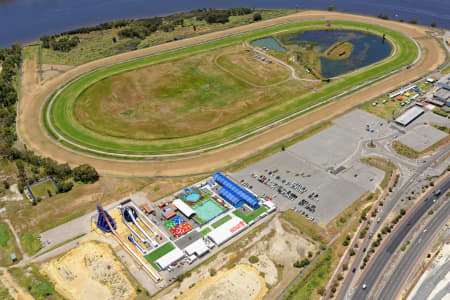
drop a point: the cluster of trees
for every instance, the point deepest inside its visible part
(141, 28)
(39, 167)
(10, 59)
(63, 44)
(31, 167)
(222, 15)
(99, 27)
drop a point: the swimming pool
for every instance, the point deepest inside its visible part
(208, 210)
(194, 197)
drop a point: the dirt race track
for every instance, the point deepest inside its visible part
(32, 131)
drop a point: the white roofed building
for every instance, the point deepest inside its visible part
(168, 259)
(226, 231)
(183, 208)
(198, 248)
(410, 115)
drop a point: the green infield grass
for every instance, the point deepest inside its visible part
(197, 97)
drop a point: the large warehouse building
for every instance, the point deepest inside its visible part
(409, 116)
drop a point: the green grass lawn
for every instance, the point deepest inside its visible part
(221, 221)
(42, 190)
(385, 111)
(250, 216)
(63, 118)
(158, 253)
(30, 243)
(205, 231)
(7, 246)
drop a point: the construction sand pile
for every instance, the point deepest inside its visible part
(90, 271)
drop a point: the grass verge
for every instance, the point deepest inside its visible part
(221, 221)
(305, 226)
(250, 216)
(158, 253)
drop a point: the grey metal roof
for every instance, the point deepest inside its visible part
(409, 115)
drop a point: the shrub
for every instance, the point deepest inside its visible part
(340, 277)
(310, 254)
(253, 259)
(345, 267)
(352, 252)
(321, 291)
(257, 17)
(402, 212)
(212, 272)
(303, 263)
(430, 212)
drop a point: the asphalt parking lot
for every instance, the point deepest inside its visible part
(309, 176)
(288, 179)
(330, 147)
(422, 137)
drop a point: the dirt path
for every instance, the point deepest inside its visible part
(19, 244)
(33, 132)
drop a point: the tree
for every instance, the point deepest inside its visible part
(65, 186)
(85, 173)
(331, 7)
(114, 39)
(413, 21)
(257, 17)
(383, 16)
(433, 24)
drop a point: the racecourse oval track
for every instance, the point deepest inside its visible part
(33, 133)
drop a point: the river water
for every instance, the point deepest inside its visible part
(27, 20)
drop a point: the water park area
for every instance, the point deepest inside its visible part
(166, 238)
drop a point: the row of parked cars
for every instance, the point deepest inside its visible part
(307, 205)
(280, 185)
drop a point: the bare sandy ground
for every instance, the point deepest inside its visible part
(273, 245)
(89, 271)
(33, 133)
(51, 71)
(240, 282)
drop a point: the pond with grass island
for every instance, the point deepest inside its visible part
(331, 52)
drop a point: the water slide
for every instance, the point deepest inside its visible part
(130, 210)
(152, 272)
(134, 242)
(145, 220)
(143, 240)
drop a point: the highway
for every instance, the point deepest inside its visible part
(376, 267)
(386, 209)
(394, 282)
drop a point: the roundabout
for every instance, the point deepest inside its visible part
(59, 114)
